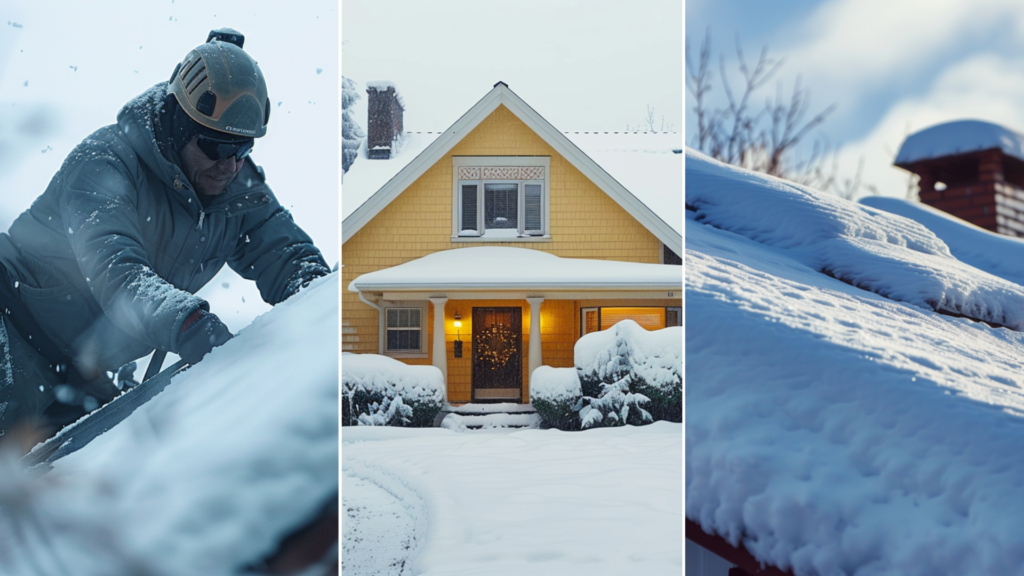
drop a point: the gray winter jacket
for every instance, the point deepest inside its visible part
(108, 259)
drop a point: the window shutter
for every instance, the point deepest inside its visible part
(534, 217)
(469, 208)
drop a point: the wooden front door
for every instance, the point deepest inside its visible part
(498, 354)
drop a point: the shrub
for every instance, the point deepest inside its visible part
(630, 376)
(381, 391)
(556, 396)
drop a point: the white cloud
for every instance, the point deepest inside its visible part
(853, 47)
(977, 87)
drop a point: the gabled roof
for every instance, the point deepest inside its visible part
(657, 208)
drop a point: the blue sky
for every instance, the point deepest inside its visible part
(886, 64)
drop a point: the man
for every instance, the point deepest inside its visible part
(102, 269)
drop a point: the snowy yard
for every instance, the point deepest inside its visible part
(436, 502)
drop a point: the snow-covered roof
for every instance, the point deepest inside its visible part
(844, 426)
(507, 268)
(209, 475)
(960, 137)
(638, 170)
(999, 255)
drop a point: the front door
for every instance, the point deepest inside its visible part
(498, 354)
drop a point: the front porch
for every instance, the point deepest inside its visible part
(500, 313)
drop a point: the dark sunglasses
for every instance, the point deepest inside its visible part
(216, 149)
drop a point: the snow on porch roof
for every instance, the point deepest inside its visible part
(504, 268)
(959, 137)
(640, 171)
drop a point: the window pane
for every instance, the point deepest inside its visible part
(403, 340)
(533, 208)
(648, 318)
(501, 206)
(673, 317)
(392, 317)
(468, 207)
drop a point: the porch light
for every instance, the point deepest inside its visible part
(458, 338)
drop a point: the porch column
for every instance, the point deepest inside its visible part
(440, 353)
(535, 354)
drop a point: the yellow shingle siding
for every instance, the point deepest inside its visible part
(585, 223)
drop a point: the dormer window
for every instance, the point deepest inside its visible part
(500, 198)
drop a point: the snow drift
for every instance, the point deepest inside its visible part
(830, 429)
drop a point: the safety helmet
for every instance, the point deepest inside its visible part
(221, 87)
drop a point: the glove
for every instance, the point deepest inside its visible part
(200, 333)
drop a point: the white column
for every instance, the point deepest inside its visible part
(535, 354)
(440, 353)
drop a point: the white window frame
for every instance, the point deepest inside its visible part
(519, 234)
(422, 351)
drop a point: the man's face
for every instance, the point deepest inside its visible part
(209, 177)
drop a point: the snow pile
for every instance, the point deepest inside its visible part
(873, 250)
(508, 503)
(958, 138)
(829, 429)
(623, 375)
(996, 254)
(382, 391)
(209, 475)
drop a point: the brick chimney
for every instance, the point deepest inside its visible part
(384, 121)
(965, 171)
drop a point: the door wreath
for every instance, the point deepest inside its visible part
(496, 345)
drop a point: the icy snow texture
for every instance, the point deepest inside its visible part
(874, 250)
(537, 502)
(957, 138)
(834, 431)
(210, 474)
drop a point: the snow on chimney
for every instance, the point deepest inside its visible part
(384, 120)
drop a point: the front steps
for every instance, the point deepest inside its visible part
(468, 417)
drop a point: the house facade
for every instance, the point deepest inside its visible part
(488, 249)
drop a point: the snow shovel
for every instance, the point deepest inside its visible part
(75, 436)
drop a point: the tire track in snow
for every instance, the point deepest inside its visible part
(382, 520)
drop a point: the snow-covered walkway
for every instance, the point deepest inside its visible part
(502, 502)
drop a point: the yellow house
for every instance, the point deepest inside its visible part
(488, 249)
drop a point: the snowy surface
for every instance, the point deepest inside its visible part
(996, 254)
(206, 477)
(644, 164)
(831, 429)
(874, 250)
(508, 503)
(464, 422)
(655, 355)
(511, 268)
(555, 384)
(960, 137)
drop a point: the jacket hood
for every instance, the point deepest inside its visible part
(140, 121)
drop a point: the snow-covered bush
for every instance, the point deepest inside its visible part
(556, 395)
(630, 376)
(381, 391)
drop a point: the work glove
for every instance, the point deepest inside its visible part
(311, 269)
(200, 333)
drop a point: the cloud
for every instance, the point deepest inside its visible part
(852, 48)
(976, 87)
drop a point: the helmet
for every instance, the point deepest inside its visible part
(221, 87)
